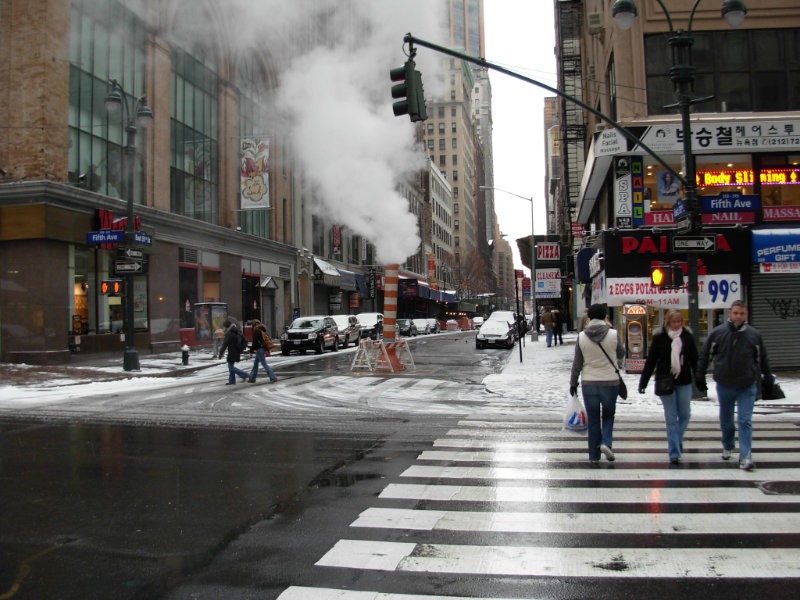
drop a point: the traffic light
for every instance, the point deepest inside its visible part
(411, 98)
(111, 287)
(667, 276)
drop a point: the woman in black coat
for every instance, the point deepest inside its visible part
(673, 357)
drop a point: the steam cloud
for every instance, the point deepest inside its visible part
(333, 58)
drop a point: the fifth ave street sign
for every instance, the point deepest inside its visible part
(698, 243)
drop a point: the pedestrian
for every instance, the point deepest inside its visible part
(261, 344)
(740, 365)
(673, 358)
(548, 322)
(219, 335)
(233, 344)
(558, 327)
(600, 381)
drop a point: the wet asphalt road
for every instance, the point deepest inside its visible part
(98, 503)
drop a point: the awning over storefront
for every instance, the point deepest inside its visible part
(776, 245)
(268, 282)
(347, 281)
(326, 273)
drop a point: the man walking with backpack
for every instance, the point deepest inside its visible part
(262, 344)
(235, 343)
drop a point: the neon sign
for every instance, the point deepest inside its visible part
(747, 177)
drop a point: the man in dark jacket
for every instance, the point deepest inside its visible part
(740, 362)
(232, 343)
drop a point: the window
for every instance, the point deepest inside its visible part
(454, 143)
(441, 128)
(455, 208)
(455, 159)
(107, 42)
(442, 160)
(745, 70)
(440, 112)
(194, 146)
(441, 144)
(453, 128)
(455, 175)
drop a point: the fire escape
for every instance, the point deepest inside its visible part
(569, 16)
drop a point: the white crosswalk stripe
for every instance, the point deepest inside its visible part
(499, 498)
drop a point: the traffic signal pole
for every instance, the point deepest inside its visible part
(682, 75)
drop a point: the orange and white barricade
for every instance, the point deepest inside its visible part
(395, 357)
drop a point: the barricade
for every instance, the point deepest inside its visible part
(380, 355)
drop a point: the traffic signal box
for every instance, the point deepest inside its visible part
(667, 276)
(411, 98)
(111, 287)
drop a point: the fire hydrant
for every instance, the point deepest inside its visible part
(185, 354)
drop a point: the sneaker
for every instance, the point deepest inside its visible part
(594, 462)
(675, 461)
(607, 452)
(274, 380)
(231, 383)
(746, 464)
(251, 381)
(726, 454)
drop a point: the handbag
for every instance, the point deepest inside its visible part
(770, 390)
(623, 389)
(665, 385)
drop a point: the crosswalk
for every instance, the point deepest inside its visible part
(493, 499)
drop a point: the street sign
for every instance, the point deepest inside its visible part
(683, 225)
(697, 243)
(133, 253)
(128, 267)
(142, 237)
(104, 236)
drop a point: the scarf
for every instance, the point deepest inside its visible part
(675, 355)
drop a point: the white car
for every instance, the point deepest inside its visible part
(371, 325)
(422, 325)
(497, 332)
(477, 322)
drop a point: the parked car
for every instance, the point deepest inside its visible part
(452, 325)
(423, 327)
(506, 316)
(406, 327)
(349, 329)
(497, 332)
(371, 325)
(310, 333)
(477, 322)
(433, 325)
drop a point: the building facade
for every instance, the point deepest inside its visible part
(224, 221)
(744, 140)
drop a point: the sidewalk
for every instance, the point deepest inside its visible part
(544, 374)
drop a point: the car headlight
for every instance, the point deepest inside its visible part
(312, 336)
(284, 336)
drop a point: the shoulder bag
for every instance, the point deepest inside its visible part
(665, 385)
(623, 389)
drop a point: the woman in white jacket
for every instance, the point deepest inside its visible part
(599, 380)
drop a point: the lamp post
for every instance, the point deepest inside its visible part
(534, 329)
(141, 116)
(682, 76)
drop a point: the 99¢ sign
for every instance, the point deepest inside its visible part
(714, 291)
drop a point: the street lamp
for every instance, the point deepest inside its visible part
(141, 116)
(682, 76)
(534, 329)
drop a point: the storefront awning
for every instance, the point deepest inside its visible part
(776, 245)
(326, 273)
(268, 282)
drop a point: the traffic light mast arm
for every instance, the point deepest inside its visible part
(411, 40)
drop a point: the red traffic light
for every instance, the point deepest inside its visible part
(111, 287)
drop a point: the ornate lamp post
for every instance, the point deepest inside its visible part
(141, 116)
(534, 331)
(682, 76)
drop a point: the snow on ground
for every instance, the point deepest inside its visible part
(540, 382)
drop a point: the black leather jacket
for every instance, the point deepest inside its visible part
(739, 356)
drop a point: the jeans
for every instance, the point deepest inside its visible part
(601, 404)
(558, 338)
(743, 399)
(233, 371)
(677, 410)
(261, 357)
(548, 333)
